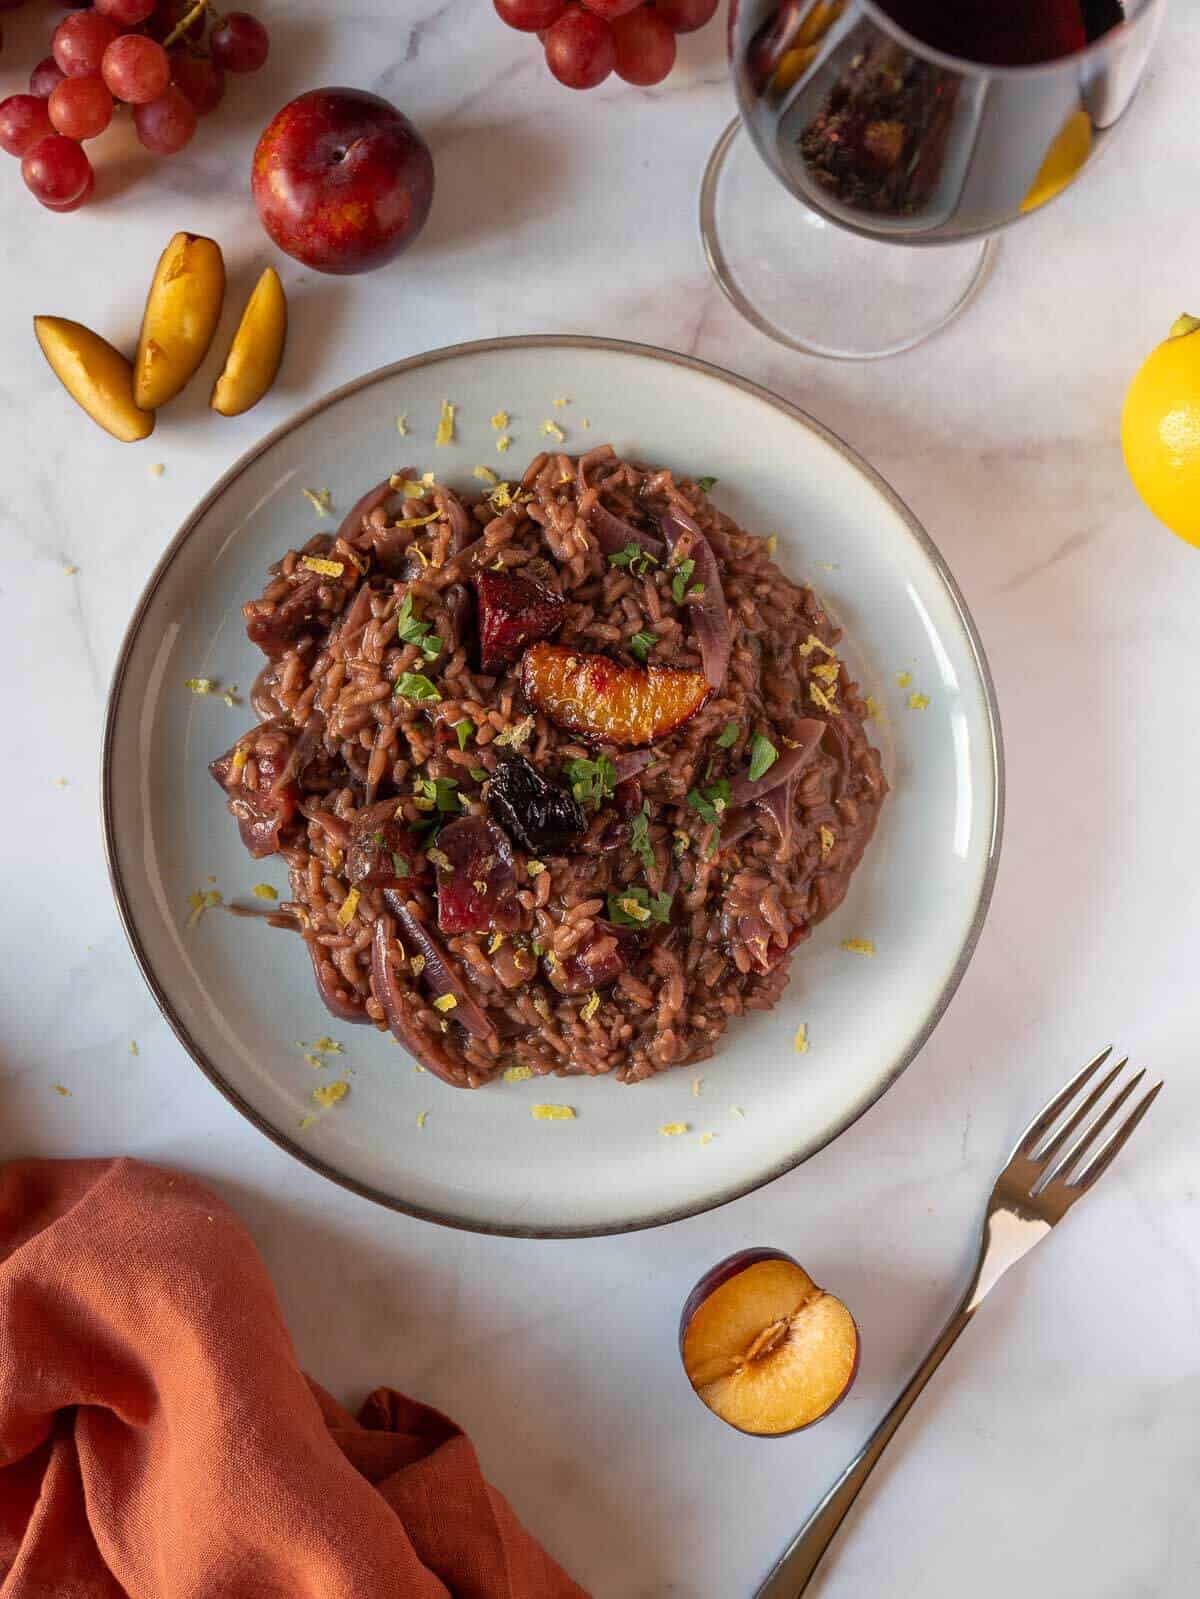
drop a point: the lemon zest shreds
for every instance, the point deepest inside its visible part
(315, 1061)
(200, 685)
(553, 431)
(586, 422)
(402, 424)
(421, 1115)
(485, 474)
(500, 421)
(201, 901)
(874, 713)
(513, 737)
(827, 671)
(59, 1089)
(552, 1113)
(518, 1074)
(157, 469)
(306, 1122)
(707, 1138)
(812, 642)
(903, 679)
(240, 757)
(418, 521)
(828, 838)
(819, 697)
(133, 1049)
(639, 913)
(673, 1129)
(559, 403)
(349, 905)
(329, 1093)
(535, 868)
(494, 943)
(858, 946)
(445, 1002)
(501, 497)
(418, 965)
(918, 702)
(327, 568)
(591, 1007)
(327, 1046)
(503, 443)
(406, 486)
(264, 891)
(70, 569)
(321, 500)
(800, 1042)
(697, 1085)
(445, 427)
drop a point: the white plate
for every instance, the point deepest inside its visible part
(240, 995)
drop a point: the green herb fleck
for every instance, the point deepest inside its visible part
(728, 736)
(639, 838)
(710, 803)
(591, 781)
(638, 560)
(463, 731)
(763, 756)
(399, 864)
(443, 791)
(642, 643)
(415, 686)
(478, 774)
(410, 631)
(679, 582)
(634, 907)
(707, 484)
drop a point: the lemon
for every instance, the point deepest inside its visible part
(1160, 430)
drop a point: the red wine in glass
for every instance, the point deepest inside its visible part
(1006, 33)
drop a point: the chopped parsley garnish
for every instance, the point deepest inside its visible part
(642, 643)
(763, 756)
(415, 686)
(399, 864)
(463, 731)
(591, 781)
(639, 838)
(708, 484)
(443, 791)
(728, 736)
(478, 774)
(679, 582)
(712, 802)
(635, 907)
(410, 631)
(638, 560)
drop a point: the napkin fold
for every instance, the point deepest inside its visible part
(158, 1441)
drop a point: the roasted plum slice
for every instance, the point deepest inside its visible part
(476, 877)
(513, 612)
(539, 815)
(257, 774)
(596, 696)
(382, 849)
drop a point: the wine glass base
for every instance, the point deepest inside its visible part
(817, 287)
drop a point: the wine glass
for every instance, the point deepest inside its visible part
(891, 141)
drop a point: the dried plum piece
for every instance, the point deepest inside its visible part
(538, 814)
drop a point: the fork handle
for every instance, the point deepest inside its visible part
(791, 1573)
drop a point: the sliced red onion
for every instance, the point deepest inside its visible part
(709, 612)
(614, 534)
(809, 735)
(439, 972)
(431, 1053)
(602, 452)
(458, 608)
(780, 806)
(345, 1010)
(352, 522)
(301, 752)
(630, 763)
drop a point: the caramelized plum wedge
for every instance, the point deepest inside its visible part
(538, 814)
(596, 696)
(513, 612)
(477, 880)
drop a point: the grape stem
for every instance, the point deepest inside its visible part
(180, 28)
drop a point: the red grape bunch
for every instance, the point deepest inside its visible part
(165, 60)
(585, 42)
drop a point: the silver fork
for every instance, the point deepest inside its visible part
(1037, 1188)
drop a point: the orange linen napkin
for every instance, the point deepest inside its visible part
(157, 1439)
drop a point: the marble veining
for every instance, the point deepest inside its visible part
(1056, 1450)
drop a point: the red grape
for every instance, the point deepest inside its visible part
(82, 199)
(239, 42)
(167, 16)
(579, 50)
(81, 108)
(56, 170)
(80, 42)
(10, 5)
(685, 16)
(136, 69)
(45, 78)
(23, 122)
(200, 79)
(645, 47)
(166, 124)
(126, 13)
(529, 16)
(610, 10)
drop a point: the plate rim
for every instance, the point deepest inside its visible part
(570, 341)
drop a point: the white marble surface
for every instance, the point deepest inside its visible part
(1057, 1451)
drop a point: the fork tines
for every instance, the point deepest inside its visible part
(1060, 1154)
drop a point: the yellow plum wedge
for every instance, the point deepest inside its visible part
(764, 1347)
(181, 316)
(96, 376)
(252, 364)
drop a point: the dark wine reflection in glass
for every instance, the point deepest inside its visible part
(910, 122)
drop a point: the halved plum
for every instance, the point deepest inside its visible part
(513, 612)
(764, 1347)
(477, 879)
(591, 694)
